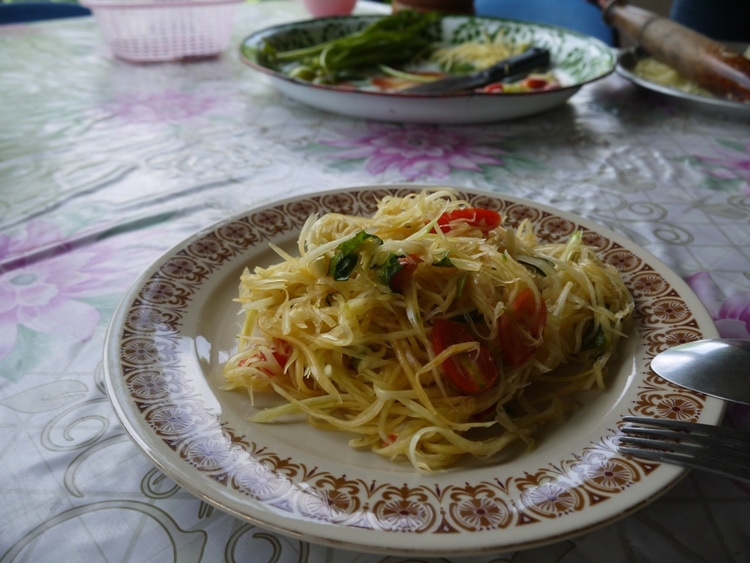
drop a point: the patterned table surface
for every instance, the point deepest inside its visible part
(104, 165)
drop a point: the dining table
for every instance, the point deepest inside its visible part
(107, 166)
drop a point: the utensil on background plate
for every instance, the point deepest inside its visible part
(709, 64)
(531, 59)
(716, 367)
(628, 60)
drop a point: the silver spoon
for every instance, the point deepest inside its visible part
(717, 367)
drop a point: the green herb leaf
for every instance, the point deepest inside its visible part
(461, 283)
(346, 256)
(444, 262)
(596, 340)
(539, 265)
(389, 268)
(391, 40)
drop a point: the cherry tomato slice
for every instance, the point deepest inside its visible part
(521, 327)
(483, 219)
(470, 372)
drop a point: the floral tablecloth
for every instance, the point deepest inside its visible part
(104, 165)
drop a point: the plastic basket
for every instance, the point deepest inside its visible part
(143, 30)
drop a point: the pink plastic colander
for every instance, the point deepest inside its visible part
(165, 30)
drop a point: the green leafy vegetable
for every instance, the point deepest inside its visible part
(388, 269)
(391, 40)
(461, 284)
(596, 340)
(412, 77)
(347, 253)
(444, 262)
(540, 265)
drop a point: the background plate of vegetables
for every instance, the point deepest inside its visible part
(363, 66)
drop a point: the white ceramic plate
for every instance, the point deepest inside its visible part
(577, 59)
(626, 67)
(178, 323)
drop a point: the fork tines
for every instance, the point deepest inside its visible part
(717, 449)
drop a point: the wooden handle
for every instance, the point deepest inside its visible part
(444, 6)
(718, 69)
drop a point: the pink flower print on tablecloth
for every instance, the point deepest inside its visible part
(158, 107)
(731, 168)
(418, 151)
(44, 282)
(732, 318)
(731, 315)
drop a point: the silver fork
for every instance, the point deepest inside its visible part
(716, 449)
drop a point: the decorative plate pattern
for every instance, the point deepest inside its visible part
(177, 324)
(576, 58)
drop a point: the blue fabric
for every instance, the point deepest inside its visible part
(723, 20)
(577, 15)
(35, 11)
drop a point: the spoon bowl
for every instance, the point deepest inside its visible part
(719, 367)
